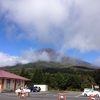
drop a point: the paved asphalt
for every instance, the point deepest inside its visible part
(43, 96)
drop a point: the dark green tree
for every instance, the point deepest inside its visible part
(27, 75)
(53, 84)
(60, 81)
(23, 72)
(48, 79)
(97, 76)
(66, 79)
(38, 76)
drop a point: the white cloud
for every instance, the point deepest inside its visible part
(74, 23)
(27, 57)
(65, 23)
(39, 19)
(97, 61)
(7, 60)
(32, 56)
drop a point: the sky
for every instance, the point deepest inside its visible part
(71, 27)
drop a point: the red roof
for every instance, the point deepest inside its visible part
(5, 74)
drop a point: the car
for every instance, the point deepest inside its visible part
(35, 89)
(87, 89)
(91, 92)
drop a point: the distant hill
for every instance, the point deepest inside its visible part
(54, 60)
(49, 67)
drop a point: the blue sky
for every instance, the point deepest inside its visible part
(68, 26)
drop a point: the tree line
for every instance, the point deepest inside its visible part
(60, 80)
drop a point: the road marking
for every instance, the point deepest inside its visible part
(48, 94)
(10, 94)
(78, 95)
(55, 95)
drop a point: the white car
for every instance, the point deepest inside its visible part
(92, 93)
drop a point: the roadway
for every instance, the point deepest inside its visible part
(44, 96)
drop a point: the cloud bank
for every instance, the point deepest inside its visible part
(74, 23)
(27, 57)
(97, 61)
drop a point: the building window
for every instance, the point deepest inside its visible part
(8, 83)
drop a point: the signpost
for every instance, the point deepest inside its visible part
(96, 87)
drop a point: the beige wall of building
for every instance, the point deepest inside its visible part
(11, 84)
(0, 80)
(19, 83)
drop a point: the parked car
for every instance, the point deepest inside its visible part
(87, 89)
(35, 89)
(91, 92)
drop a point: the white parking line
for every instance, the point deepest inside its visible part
(48, 94)
(55, 95)
(10, 94)
(78, 95)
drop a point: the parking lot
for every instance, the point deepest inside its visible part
(43, 96)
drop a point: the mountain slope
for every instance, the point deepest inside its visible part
(63, 59)
(49, 58)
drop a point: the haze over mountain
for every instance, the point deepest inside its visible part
(54, 56)
(47, 55)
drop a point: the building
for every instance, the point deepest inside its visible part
(11, 82)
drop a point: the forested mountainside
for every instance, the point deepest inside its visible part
(51, 67)
(71, 77)
(63, 74)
